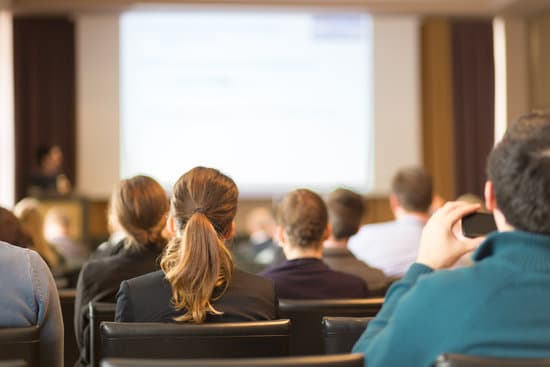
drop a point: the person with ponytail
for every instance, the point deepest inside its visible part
(139, 205)
(198, 282)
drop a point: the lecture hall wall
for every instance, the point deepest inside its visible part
(395, 84)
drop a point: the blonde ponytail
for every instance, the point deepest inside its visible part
(196, 262)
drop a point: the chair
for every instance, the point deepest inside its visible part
(460, 360)
(70, 352)
(13, 363)
(306, 336)
(20, 344)
(341, 333)
(210, 340)
(343, 360)
(98, 312)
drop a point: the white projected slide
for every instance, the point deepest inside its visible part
(274, 100)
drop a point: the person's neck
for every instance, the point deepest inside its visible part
(295, 252)
(332, 243)
(401, 213)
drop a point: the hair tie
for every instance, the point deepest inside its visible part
(198, 210)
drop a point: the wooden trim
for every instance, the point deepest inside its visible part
(437, 106)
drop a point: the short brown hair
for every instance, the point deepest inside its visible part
(303, 216)
(345, 211)
(413, 188)
(140, 205)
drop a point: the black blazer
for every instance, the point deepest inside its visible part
(148, 298)
(310, 278)
(99, 281)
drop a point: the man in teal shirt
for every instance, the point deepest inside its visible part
(498, 307)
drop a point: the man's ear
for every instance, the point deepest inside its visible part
(490, 200)
(394, 202)
(327, 232)
(171, 226)
(230, 232)
(280, 235)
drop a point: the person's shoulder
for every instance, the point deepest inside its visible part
(376, 227)
(373, 229)
(147, 280)
(247, 279)
(17, 257)
(8, 250)
(453, 286)
(96, 269)
(346, 277)
(274, 270)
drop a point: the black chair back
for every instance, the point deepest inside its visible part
(210, 340)
(20, 344)
(98, 312)
(13, 363)
(460, 360)
(348, 360)
(341, 333)
(306, 337)
(70, 347)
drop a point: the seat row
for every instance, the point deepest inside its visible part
(19, 347)
(304, 329)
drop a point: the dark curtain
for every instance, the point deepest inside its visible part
(474, 101)
(44, 73)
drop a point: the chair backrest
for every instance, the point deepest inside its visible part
(341, 333)
(13, 363)
(210, 340)
(460, 360)
(70, 347)
(347, 360)
(20, 343)
(306, 336)
(98, 312)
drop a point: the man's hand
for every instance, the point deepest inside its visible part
(440, 245)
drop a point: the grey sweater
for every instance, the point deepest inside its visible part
(28, 297)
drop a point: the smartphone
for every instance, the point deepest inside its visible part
(478, 224)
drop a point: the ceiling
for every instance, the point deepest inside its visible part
(427, 7)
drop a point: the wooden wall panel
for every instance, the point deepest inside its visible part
(539, 60)
(437, 105)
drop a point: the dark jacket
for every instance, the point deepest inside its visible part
(99, 281)
(341, 259)
(311, 278)
(148, 298)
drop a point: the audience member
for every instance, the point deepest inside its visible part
(497, 307)
(260, 251)
(30, 215)
(115, 243)
(345, 211)
(140, 206)
(29, 297)
(11, 230)
(303, 226)
(393, 246)
(49, 178)
(59, 231)
(198, 281)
